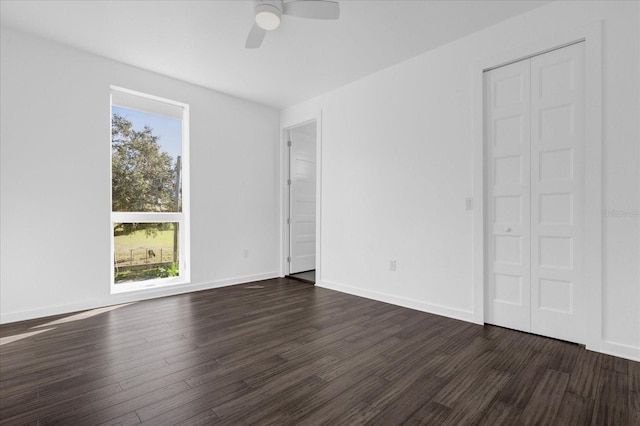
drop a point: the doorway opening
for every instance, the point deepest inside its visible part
(301, 205)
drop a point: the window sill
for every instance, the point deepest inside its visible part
(147, 285)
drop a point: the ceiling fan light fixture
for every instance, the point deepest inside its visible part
(268, 16)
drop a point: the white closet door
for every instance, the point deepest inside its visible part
(534, 121)
(507, 112)
(557, 188)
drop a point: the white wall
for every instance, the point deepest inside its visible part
(55, 150)
(397, 165)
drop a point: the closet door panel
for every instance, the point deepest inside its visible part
(507, 119)
(557, 194)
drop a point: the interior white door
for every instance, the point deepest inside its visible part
(302, 196)
(557, 188)
(534, 121)
(507, 112)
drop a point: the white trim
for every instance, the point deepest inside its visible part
(148, 217)
(132, 296)
(147, 96)
(592, 36)
(185, 243)
(285, 128)
(417, 305)
(620, 350)
(153, 283)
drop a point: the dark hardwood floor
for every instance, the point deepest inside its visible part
(284, 352)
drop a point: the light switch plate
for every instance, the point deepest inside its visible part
(468, 203)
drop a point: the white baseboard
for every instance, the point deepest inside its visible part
(418, 305)
(134, 296)
(620, 350)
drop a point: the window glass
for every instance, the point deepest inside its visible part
(147, 191)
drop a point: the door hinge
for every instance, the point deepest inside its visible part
(288, 221)
(288, 181)
(289, 259)
(288, 143)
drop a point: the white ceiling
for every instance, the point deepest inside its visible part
(202, 42)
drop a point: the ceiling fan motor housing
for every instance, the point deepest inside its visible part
(268, 15)
(269, 12)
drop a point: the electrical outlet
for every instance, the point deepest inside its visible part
(392, 265)
(246, 253)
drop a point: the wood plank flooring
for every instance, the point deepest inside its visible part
(283, 352)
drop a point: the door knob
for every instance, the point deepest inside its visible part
(507, 229)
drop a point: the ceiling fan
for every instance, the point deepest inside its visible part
(269, 12)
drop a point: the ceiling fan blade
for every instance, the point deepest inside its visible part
(314, 9)
(256, 35)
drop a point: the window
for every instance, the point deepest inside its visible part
(149, 191)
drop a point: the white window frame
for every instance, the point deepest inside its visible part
(182, 218)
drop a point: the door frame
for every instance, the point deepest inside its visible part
(286, 125)
(591, 35)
